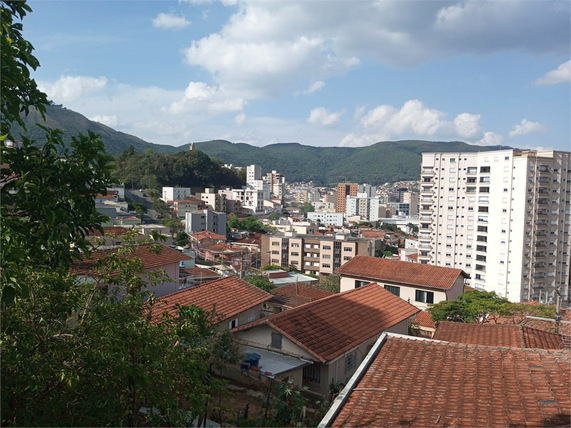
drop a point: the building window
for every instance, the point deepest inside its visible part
(312, 373)
(392, 289)
(350, 361)
(326, 247)
(360, 283)
(424, 296)
(275, 244)
(295, 245)
(276, 340)
(347, 249)
(326, 256)
(347, 257)
(233, 324)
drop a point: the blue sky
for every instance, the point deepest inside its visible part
(321, 73)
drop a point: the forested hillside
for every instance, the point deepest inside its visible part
(382, 162)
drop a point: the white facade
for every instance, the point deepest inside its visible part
(362, 205)
(253, 173)
(205, 220)
(335, 219)
(175, 193)
(502, 216)
(214, 201)
(251, 199)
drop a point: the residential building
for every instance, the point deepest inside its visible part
(188, 205)
(344, 190)
(206, 238)
(420, 285)
(367, 208)
(233, 300)
(214, 201)
(175, 193)
(293, 295)
(315, 254)
(368, 190)
(277, 184)
(281, 278)
(326, 218)
(328, 207)
(333, 333)
(251, 199)
(205, 220)
(418, 382)
(501, 216)
(253, 173)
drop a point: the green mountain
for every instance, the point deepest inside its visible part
(387, 161)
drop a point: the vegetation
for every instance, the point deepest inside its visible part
(271, 267)
(484, 307)
(306, 208)
(260, 280)
(330, 283)
(82, 352)
(251, 224)
(139, 208)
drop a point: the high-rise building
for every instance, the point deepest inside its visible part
(501, 216)
(362, 205)
(277, 184)
(344, 190)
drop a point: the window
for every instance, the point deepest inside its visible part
(276, 340)
(360, 283)
(347, 257)
(350, 361)
(327, 247)
(326, 256)
(392, 289)
(325, 265)
(233, 324)
(424, 296)
(294, 254)
(275, 244)
(312, 373)
(347, 249)
(295, 245)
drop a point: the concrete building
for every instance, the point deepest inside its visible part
(367, 208)
(344, 190)
(254, 179)
(205, 220)
(213, 201)
(251, 199)
(501, 216)
(175, 193)
(277, 184)
(326, 218)
(315, 254)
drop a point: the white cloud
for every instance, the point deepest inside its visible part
(170, 21)
(526, 127)
(240, 119)
(491, 139)
(70, 88)
(323, 117)
(353, 140)
(468, 125)
(199, 96)
(559, 75)
(314, 87)
(111, 121)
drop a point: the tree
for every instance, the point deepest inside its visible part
(330, 283)
(260, 280)
(273, 216)
(476, 306)
(306, 208)
(139, 208)
(181, 239)
(174, 225)
(271, 267)
(413, 229)
(161, 207)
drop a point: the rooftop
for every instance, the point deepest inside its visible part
(377, 269)
(510, 335)
(424, 319)
(333, 325)
(206, 234)
(227, 296)
(298, 293)
(427, 383)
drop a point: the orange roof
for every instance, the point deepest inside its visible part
(199, 236)
(378, 269)
(424, 319)
(427, 383)
(509, 335)
(150, 259)
(189, 200)
(299, 293)
(412, 256)
(112, 230)
(333, 325)
(373, 234)
(200, 272)
(223, 248)
(227, 296)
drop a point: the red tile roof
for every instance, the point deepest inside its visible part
(378, 269)
(112, 230)
(299, 293)
(508, 335)
(424, 319)
(199, 236)
(227, 296)
(534, 310)
(150, 259)
(426, 383)
(189, 200)
(333, 325)
(200, 272)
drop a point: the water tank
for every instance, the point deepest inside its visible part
(253, 359)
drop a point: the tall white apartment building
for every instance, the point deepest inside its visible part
(175, 193)
(254, 179)
(503, 217)
(362, 205)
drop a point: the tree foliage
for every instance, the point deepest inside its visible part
(476, 306)
(260, 280)
(330, 283)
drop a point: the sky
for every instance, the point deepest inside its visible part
(319, 73)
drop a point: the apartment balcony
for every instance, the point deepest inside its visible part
(425, 211)
(427, 171)
(424, 217)
(541, 244)
(542, 213)
(426, 199)
(472, 171)
(536, 286)
(540, 255)
(542, 202)
(424, 246)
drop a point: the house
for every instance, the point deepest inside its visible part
(236, 256)
(234, 301)
(168, 259)
(203, 220)
(334, 333)
(422, 325)
(196, 276)
(418, 284)
(206, 238)
(418, 382)
(509, 335)
(293, 295)
(281, 278)
(187, 205)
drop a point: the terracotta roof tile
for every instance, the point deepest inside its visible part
(424, 319)
(114, 230)
(378, 269)
(200, 272)
(426, 383)
(228, 296)
(299, 293)
(331, 326)
(199, 236)
(508, 335)
(221, 248)
(150, 259)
